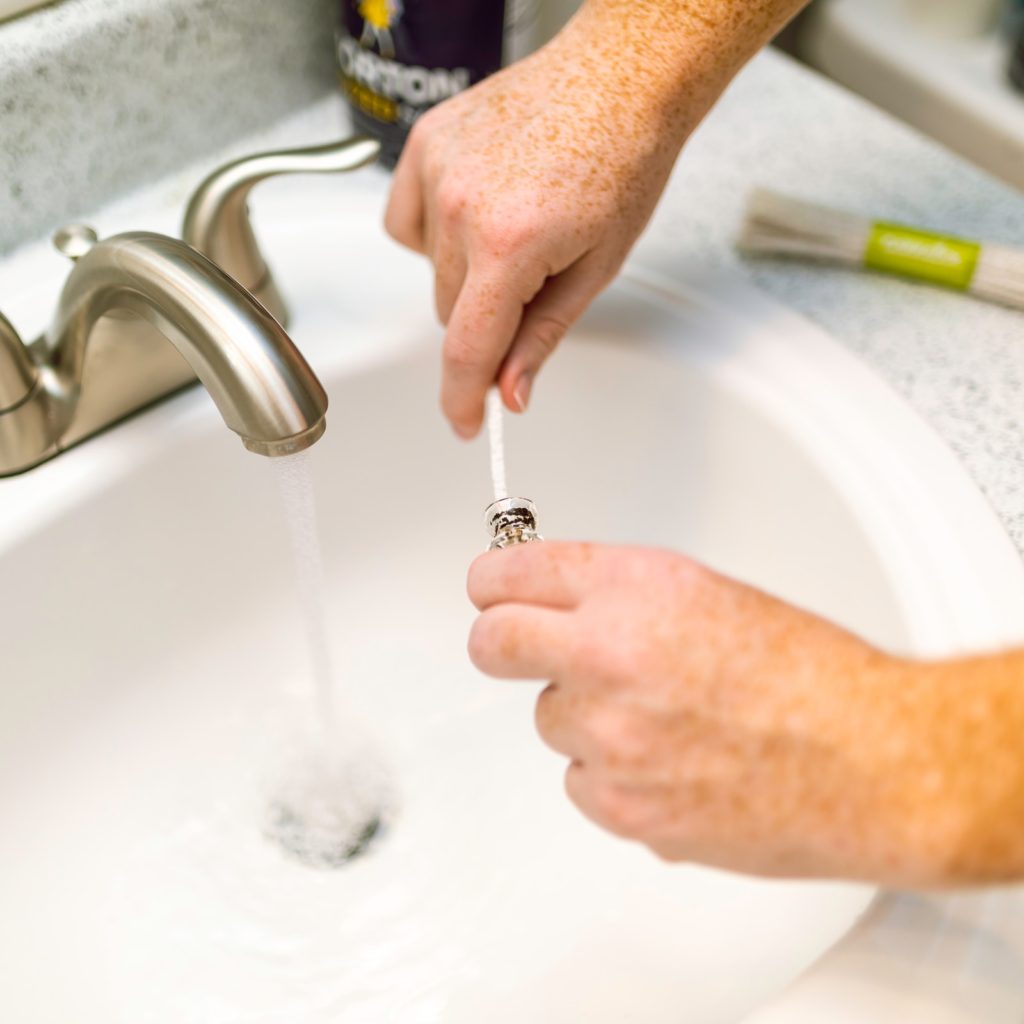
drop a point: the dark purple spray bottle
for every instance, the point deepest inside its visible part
(398, 58)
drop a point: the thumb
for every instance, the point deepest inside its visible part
(555, 308)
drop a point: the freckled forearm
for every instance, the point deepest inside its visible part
(976, 716)
(679, 54)
(958, 781)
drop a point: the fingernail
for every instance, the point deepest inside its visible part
(521, 394)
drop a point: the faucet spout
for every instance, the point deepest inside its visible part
(17, 374)
(262, 386)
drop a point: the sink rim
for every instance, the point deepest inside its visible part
(963, 599)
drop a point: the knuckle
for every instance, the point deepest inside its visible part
(581, 557)
(640, 567)
(503, 235)
(451, 200)
(460, 355)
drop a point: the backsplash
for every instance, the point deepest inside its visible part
(100, 96)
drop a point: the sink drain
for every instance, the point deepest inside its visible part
(328, 814)
(317, 843)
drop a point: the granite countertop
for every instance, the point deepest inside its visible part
(959, 361)
(100, 96)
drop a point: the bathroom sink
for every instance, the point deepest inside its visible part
(153, 673)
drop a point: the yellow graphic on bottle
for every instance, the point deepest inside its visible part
(380, 108)
(391, 89)
(378, 17)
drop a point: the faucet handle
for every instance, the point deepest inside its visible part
(18, 372)
(217, 219)
(75, 240)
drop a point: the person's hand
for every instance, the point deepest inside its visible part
(715, 723)
(527, 191)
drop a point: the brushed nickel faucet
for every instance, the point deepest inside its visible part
(217, 218)
(143, 315)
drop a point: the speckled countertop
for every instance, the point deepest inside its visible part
(959, 361)
(100, 96)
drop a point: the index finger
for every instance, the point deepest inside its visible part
(483, 324)
(551, 573)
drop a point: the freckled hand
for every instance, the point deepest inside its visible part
(528, 190)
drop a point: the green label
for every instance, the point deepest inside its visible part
(921, 254)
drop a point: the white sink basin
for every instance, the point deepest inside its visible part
(152, 667)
